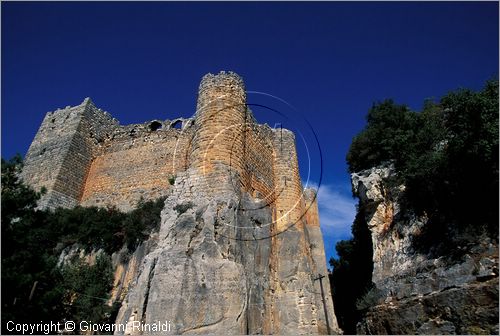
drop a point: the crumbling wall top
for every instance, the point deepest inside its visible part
(310, 194)
(223, 78)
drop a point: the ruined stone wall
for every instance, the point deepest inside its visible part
(49, 149)
(60, 155)
(259, 168)
(289, 202)
(83, 156)
(139, 161)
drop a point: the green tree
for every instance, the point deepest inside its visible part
(29, 275)
(34, 287)
(447, 156)
(351, 275)
(390, 128)
(142, 221)
(87, 289)
(91, 227)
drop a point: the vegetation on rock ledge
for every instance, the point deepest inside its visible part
(447, 157)
(34, 287)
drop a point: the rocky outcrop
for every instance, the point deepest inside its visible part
(419, 293)
(125, 264)
(221, 267)
(471, 309)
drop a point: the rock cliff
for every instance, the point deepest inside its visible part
(220, 267)
(422, 293)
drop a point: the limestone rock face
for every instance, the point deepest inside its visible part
(125, 265)
(219, 268)
(421, 294)
(471, 309)
(391, 229)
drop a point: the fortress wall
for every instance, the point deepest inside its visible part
(50, 146)
(60, 154)
(289, 201)
(259, 170)
(74, 169)
(136, 162)
(83, 156)
(97, 126)
(94, 127)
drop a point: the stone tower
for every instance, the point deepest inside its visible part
(61, 153)
(218, 146)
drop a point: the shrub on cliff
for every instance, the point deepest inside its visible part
(29, 275)
(446, 155)
(34, 288)
(352, 274)
(390, 130)
(92, 227)
(86, 289)
(141, 221)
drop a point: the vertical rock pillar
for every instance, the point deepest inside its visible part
(294, 304)
(327, 321)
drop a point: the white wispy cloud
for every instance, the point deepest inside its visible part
(337, 209)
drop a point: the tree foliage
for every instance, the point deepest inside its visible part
(24, 238)
(34, 287)
(351, 275)
(447, 156)
(87, 289)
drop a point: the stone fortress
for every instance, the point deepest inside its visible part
(241, 180)
(83, 156)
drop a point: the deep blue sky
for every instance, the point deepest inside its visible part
(331, 61)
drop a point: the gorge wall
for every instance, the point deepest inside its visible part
(418, 292)
(239, 248)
